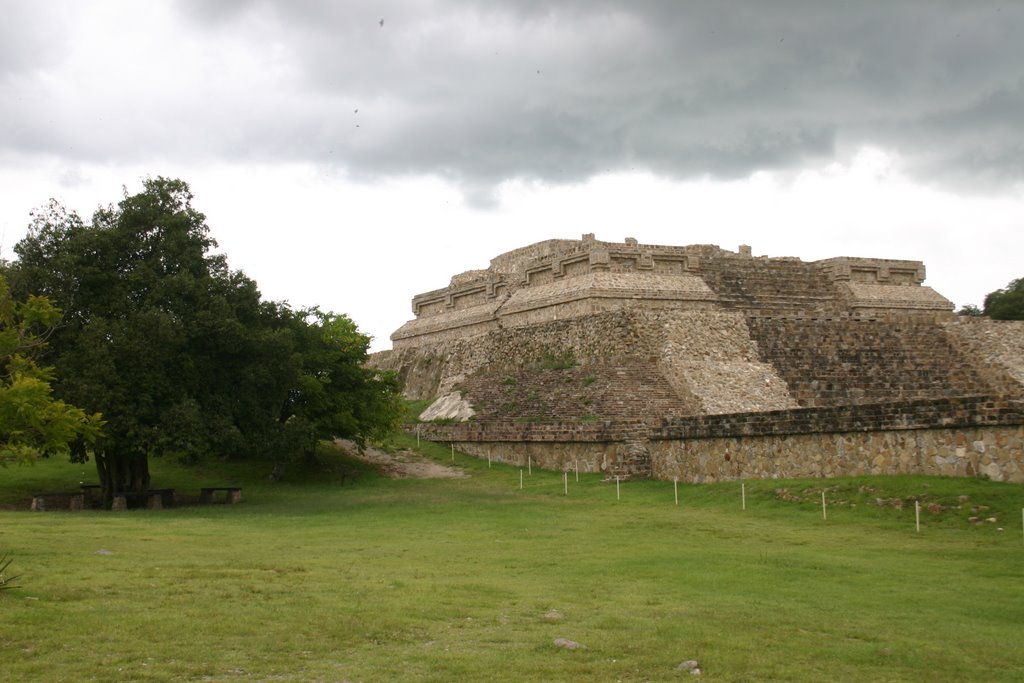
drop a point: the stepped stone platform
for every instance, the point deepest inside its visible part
(701, 363)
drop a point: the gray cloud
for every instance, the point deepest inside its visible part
(481, 92)
(31, 37)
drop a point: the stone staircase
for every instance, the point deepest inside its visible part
(786, 287)
(851, 362)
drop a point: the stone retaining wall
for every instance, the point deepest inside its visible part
(973, 436)
(994, 452)
(612, 447)
(976, 436)
(924, 414)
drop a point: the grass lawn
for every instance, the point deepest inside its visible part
(473, 579)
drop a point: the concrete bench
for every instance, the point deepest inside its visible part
(154, 499)
(232, 494)
(40, 504)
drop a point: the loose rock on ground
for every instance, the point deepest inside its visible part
(691, 665)
(567, 644)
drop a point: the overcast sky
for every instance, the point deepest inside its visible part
(351, 154)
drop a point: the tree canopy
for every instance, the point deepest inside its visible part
(32, 421)
(1006, 303)
(180, 353)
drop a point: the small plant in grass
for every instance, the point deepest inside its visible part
(6, 580)
(509, 381)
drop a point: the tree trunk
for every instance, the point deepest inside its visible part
(138, 472)
(106, 481)
(310, 457)
(121, 472)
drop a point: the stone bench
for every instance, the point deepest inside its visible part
(233, 494)
(154, 499)
(39, 501)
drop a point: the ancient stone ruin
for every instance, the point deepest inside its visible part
(705, 364)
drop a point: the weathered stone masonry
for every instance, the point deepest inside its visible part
(703, 364)
(953, 437)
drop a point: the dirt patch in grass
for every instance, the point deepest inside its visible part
(403, 464)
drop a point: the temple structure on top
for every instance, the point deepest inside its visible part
(560, 279)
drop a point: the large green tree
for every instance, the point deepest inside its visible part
(177, 351)
(1006, 303)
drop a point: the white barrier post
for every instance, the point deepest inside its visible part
(520, 478)
(675, 488)
(565, 482)
(617, 495)
(577, 466)
(743, 496)
(917, 515)
(529, 464)
(824, 514)
(453, 451)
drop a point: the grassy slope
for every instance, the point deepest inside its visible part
(445, 579)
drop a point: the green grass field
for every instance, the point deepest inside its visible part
(444, 580)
